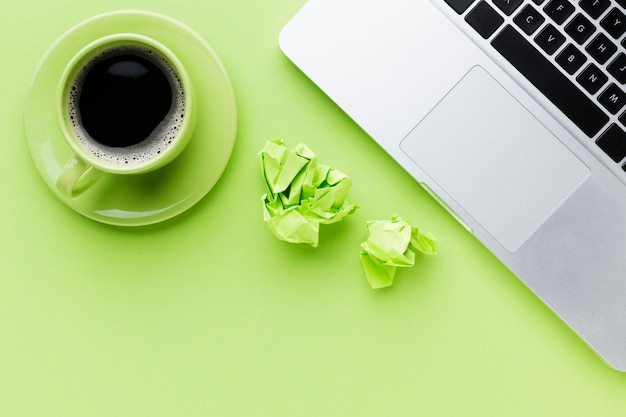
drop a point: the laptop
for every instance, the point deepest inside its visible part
(512, 115)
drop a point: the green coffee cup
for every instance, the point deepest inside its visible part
(125, 107)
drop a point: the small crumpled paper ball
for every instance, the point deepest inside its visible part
(301, 193)
(391, 244)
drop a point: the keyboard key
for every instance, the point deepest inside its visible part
(529, 19)
(548, 79)
(614, 23)
(601, 48)
(484, 19)
(459, 6)
(550, 39)
(617, 68)
(507, 6)
(571, 59)
(613, 98)
(622, 3)
(622, 118)
(592, 78)
(559, 10)
(580, 28)
(613, 143)
(595, 8)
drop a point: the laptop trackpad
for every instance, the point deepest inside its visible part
(494, 159)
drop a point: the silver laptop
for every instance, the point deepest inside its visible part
(511, 114)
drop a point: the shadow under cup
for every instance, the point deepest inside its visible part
(125, 106)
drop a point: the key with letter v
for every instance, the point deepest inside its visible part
(550, 39)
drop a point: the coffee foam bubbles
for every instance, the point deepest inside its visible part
(160, 138)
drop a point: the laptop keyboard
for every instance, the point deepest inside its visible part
(573, 52)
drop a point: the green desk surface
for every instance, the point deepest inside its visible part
(209, 315)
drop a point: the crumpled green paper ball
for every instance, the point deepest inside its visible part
(391, 244)
(301, 193)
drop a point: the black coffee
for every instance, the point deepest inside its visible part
(126, 104)
(123, 99)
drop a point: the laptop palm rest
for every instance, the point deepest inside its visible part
(494, 160)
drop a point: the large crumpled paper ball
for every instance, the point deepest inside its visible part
(301, 193)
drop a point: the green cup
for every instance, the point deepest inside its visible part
(125, 107)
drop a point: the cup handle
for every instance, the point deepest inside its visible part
(76, 177)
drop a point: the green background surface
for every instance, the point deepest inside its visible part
(209, 315)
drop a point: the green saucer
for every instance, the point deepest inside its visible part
(157, 196)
